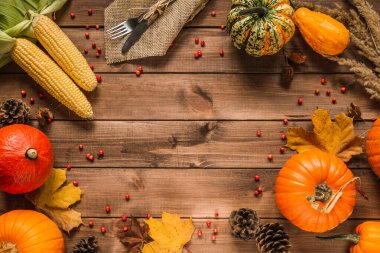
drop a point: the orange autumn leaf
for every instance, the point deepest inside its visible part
(334, 137)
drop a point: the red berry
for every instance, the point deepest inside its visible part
(138, 73)
(124, 218)
(126, 228)
(101, 152)
(148, 216)
(257, 178)
(91, 66)
(85, 51)
(333, 100)
(99, 78)
(208, 223)
(286, 121)
(90, 223)
(41, 95)
(222, 27)
(282, 150)
(216, 214)
(200, 233)
(49, 120)
(72, 15)
(68, 167)
(258, 133)
(107, 208)
(97, 55)
(196, 55)
(260, 190)
(256, 193)
(103, 230)
(196, 40)
(97, 27)
(343, 89)
(317, 91)
(213, 238)
(81, 146)
(93, 45)
(87, 35)
(213, 13)
(300, 101)
(75, 183)
(214, 231)
(89, 11)
(270, 157)
(99, 49)
(88, 27)
(140, 68)
(88, 155)
(199, 53)
(221, 52)
(323, 81)
(127, 197)
(23, 93)
(283, 136)
(203, 43)
(32, 100)
(328, 92)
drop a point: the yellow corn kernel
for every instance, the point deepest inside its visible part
(51, 77)
(64, 52)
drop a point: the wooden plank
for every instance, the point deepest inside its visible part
(209, 96)
(301, 241)
(184, 144)
(204, 18)
(181, 57)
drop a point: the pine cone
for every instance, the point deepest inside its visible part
(14, 111)
(272, 238)
(244, 222)
(89, 245)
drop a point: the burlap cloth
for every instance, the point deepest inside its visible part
(157, 39)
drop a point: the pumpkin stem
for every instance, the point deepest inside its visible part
(322, 192)
(8, 247)
(261, 11)
(31, 154)
(354, 238)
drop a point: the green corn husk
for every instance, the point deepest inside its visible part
(16, 18)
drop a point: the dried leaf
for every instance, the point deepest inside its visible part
(170, 235)
(135, 237)
(43, 115)
(354, 112)
(297, 57)
(287, 75)
(336, 137)
(55, 200)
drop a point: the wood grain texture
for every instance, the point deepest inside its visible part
(184, 144)
(189, 192)
(181, 57)
(301, 241)
(203, 97)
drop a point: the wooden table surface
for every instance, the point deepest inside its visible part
(181, 138)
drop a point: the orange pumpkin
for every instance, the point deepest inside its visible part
(29, 232)
(325, 35)
(373, 147)
(315, 191)
(366, 238)
(26, 158)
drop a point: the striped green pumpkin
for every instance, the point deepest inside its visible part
(260, 27)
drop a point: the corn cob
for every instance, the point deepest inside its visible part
(64, 52)
(50, 76)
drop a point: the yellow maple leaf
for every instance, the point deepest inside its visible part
(170, 234)
(55, 200)
(336, 137)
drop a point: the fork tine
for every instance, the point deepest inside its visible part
(122, 28)
(121, 34)
(116, 27)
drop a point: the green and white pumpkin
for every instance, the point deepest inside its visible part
(260, 27)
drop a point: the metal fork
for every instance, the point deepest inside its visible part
(124, 27)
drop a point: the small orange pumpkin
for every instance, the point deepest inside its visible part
(315, 191)
(28, 231)
(373, 147)
(327, 36)
(365, 239)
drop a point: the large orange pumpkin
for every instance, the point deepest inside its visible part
(365, 239)
(327, 36)
(307, 186)
(26, 158)
(373, 147)
(29, 232)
